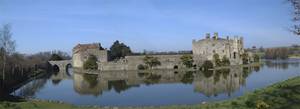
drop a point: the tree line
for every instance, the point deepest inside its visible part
(16, 67)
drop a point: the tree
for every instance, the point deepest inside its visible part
(91, 63)
(55, 57)
(118, 50)
(225, 61)
(151, 61)
(7, 45)
(217, 60)
(245, 58)
(277, 53)
(296, 17)
(187, 60)
(256, 58)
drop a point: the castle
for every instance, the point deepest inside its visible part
(231, 48)
(201, 50)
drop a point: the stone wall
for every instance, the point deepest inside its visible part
(80, 57)
(132, 62)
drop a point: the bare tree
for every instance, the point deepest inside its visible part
(7, 45)
(296, 16)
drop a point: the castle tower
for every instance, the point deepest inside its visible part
(81, 52)
(216, 35)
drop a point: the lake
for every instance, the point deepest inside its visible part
(159, 87)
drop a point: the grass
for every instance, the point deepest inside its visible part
(283, 95)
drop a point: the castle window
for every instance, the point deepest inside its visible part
(234, 55)
(223, 51)
(214, 51)
(213, 44)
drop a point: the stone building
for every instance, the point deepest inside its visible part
(81, 52)
(202, 50)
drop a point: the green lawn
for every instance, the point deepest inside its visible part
(283, 95)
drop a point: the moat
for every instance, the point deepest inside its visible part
(158, 87)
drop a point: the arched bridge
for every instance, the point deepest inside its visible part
(61, 66)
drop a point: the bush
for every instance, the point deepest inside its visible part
(256, 58)
(262, 105)
(207, 65)
(187, 60)
(245, 58)
(225, 61)
(217, 60)
(151, 61)
(91, 63)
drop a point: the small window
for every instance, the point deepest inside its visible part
(214, 51)
(175, 67)
(234, 55)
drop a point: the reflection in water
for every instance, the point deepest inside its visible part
(119, 85)
(221, 81)
(159, 87)
(30, 89)
(210, 83)
(282, 64)
(188, 77)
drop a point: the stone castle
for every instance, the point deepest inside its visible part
(201, 50)
(231, 48)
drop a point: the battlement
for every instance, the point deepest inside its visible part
(216, 37)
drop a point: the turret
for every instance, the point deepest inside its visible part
(216, 35)
(207, 36)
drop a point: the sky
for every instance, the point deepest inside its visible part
(154, 25)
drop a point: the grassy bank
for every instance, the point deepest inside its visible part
(283, 95)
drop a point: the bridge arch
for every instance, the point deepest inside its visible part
(69, 65)
(55, 68)
(62, 66)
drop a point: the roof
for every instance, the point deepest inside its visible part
(84, 47)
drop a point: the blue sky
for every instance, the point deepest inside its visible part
(159, 25)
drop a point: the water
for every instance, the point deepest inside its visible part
(159, 87)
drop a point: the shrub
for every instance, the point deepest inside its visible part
(245, 58)
(256, 58)
(234, 103)
(225, 61)
(187, 60)
(217, 60)
(91, 63)
(151, 61)
(262, 105)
